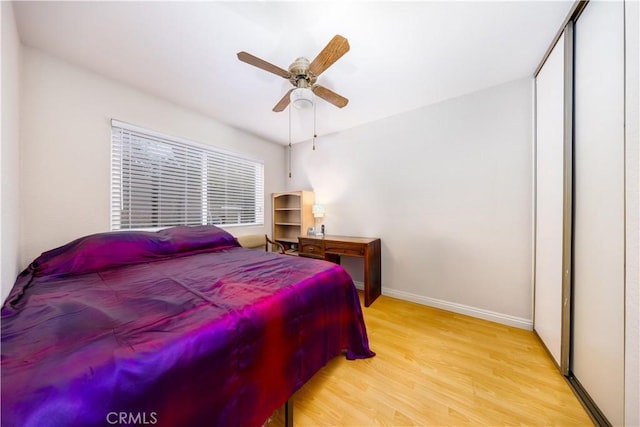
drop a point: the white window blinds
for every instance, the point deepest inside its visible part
(161, 181)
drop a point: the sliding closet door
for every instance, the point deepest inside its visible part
(597, 359)
(549, 200)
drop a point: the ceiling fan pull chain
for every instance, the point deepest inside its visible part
(314, 127)
(289, 160)
(289, 142)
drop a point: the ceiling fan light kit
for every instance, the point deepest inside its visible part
(302, 98)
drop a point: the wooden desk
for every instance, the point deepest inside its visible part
(331, 248)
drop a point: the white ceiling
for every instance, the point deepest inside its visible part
(404, 55)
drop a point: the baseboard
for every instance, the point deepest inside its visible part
(479, 313)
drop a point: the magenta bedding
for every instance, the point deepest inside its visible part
(180, 327)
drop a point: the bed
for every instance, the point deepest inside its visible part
(171, 328)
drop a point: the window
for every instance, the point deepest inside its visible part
(161, 181)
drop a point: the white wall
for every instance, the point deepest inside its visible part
(65, 149)
(447, 188)
(9, 188)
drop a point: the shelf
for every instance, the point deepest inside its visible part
(292, 216)
(285, 240)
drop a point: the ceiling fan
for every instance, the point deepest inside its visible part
(303, 74)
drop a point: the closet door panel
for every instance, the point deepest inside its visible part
(597, 360)
(549, 200)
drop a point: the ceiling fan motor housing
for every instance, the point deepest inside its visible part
(301, 77)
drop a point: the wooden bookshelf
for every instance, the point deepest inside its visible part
(292, 217)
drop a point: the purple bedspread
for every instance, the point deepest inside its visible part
(190, 335)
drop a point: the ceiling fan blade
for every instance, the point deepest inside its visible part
(330, 96)
(261, 63)
(282, 104)
(333, 51)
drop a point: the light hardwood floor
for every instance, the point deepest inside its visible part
(437, 368)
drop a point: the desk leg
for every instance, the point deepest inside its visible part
(288, 413)
(372, 273)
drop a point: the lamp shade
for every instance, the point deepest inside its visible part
(317, 210)
(301, 97)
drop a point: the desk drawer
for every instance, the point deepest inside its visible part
(311, 248)
(344, 248)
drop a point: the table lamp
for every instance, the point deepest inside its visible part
(318, 212)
